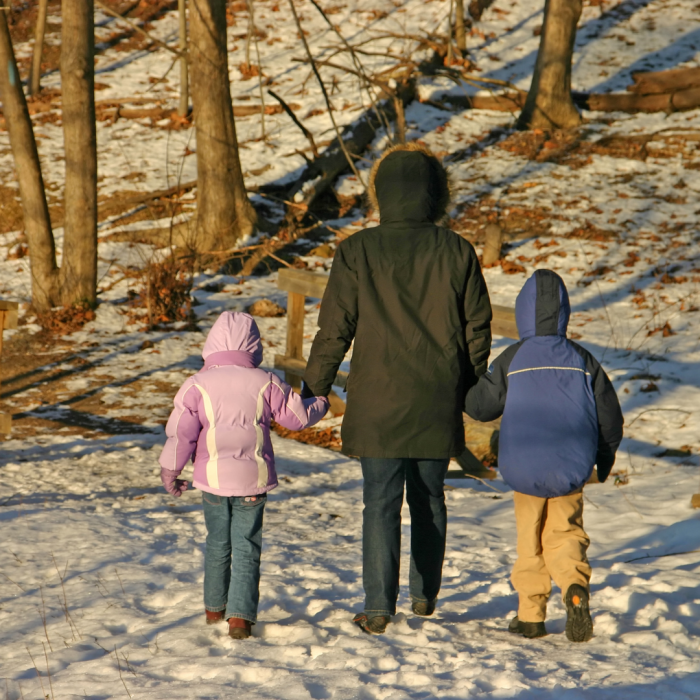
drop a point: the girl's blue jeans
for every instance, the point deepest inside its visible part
(232, 558)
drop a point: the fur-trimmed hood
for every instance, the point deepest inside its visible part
(409, 183)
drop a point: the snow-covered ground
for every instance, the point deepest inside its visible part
(102, 571)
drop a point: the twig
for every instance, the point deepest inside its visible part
(43, 616)
(38, 675)
(260, 75)
(294, 118)
(69, 619)
(485, 483)
(110, 11)
(11, 581)
(119, 666)
(358, 64)
(48, 672)
(120, 580)
(659, 556)
(279, 260)
(325, 95)
(648, 410)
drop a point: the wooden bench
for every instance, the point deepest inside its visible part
(8, 320)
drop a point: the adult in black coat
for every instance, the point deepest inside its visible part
(411, 295)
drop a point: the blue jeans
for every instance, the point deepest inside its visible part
(232, 557)
(381, 529)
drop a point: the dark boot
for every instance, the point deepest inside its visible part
(531, 630)
(424, 608)
(213, 617)
(579, 626)
(238, 628)
(372, 625)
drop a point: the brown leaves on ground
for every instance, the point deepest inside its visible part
(266, 308)
(665, 330)
(65, 320)
(328, 437)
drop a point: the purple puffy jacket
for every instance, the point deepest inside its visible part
(222, 414)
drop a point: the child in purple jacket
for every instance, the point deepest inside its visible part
(221, 421)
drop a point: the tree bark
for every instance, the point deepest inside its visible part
(224, 214)
(460, 32)
(79, 265)
(184, 106)
(37, 223)
(549, 104)
(35, 73)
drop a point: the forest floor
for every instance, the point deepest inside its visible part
(102, 569)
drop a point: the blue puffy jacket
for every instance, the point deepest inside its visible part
(560, 411)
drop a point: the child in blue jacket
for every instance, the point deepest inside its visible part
(561, 416)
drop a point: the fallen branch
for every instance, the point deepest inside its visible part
(650, 83)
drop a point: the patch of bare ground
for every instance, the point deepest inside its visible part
(519, 222)
(35, 372)
(326, 437)
(575, 148)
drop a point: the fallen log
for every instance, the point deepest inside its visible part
(632, 103)
(651, 83)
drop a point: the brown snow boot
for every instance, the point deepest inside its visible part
(239, 628)
(213, 617)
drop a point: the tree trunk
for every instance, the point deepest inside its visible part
(35, 73)
(79, 265)
(224, 214)
(184, 106)
(549, 104)
(37, 224)
(460, 32)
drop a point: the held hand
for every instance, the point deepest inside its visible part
(174, 486)
(306, 393)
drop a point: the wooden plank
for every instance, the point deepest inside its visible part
(310, 284)
(297, 366)
(9, 315)
(503, 322)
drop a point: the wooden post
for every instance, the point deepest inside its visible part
(8, 319)
(35, 71)
(492, 244)
(295, 333)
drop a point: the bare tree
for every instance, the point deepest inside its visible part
(549, 104)
(224, 213)
(35, 72)
(460, 31)
(76, 279)
(79, 269)
(184, 106)
(37, 224)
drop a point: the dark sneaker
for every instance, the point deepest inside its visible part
(214, 617)
(579, 626)
(372, 625)
(239, 628)
(424, 608)
(531, 630)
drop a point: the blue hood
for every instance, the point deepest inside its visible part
(542, 307)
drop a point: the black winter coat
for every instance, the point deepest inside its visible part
(412, 296)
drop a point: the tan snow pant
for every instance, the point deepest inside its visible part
(551, 545)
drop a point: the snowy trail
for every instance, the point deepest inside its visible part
(133, 566)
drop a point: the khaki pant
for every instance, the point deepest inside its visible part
(551, 545)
